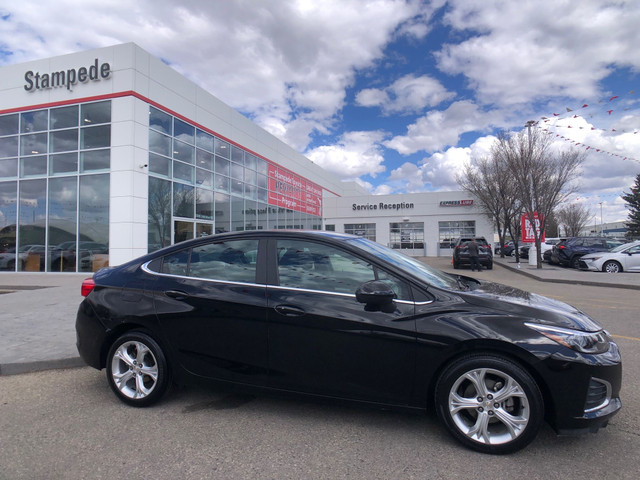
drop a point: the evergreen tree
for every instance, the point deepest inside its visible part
(633, 204)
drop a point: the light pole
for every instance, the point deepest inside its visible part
(601, 219)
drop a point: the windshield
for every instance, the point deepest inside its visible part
(430, 275)
(620, 248)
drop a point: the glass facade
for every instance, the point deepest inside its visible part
(54, 188)
(200, 184)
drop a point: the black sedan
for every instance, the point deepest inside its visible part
(338, 316)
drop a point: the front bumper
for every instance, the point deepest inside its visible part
(590, 265)
(584, 390)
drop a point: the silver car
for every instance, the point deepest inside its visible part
(625, 258)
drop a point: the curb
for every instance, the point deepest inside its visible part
(40, 365)
(570, 282)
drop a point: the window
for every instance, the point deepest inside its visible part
(314, 266)
(450, 231)
(366, 230)
(407, 235)
(233, 261)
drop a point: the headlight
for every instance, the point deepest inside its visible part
(591, 259)
(584, 342)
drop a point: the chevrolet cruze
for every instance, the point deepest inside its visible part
(336, 316)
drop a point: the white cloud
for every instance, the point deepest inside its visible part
(286, 64)
(354, 155)
(439, 129)
(409, 94)
(540, 49)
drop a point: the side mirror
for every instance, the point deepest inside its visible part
(375, 293)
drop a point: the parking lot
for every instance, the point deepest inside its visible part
(66, 423)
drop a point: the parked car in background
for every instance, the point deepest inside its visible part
(545, 246)
(337, 316)
(625, 258)
(9, 258)
(569, 252)
(461, 252)
(508, 249)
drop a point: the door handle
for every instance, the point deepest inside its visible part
(289, 311)
(177, 294)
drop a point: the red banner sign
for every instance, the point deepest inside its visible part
(288, 190)
(528, 226)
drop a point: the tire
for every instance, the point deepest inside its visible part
(489, 404)
(612, 266)
(456, 265)
(490, 266)
(575, 262)
(137, 369)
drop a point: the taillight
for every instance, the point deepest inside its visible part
(562, 247)
(87, 287)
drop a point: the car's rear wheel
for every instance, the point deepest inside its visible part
(137, 369)
(612, 267)
(489, 403)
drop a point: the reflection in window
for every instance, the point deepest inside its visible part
(63, 117)
(204, 140)
(63, 140)
(366, 230)
(63, 163)
(34, 121)
(183, 172)
(95, 160)
(95, 137)
(62, 224)
(159, 165)
(183, 152)
(93, 225)
(32, 217)
(9, 124)
(183, 131)
(233, 261)
(407, 235)
(95, 113)
(32, 166)
(8, 147)
(159, 211)
(182, 231)
(223, 212)
(8, 217)
(314, 266)
(183, 200)
(237, 214)
(33, 144)
(158, 120)
(204, 204)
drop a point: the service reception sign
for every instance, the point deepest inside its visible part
(528, 226)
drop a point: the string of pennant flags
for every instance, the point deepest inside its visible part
(550, 125)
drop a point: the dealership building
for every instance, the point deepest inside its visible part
(108, 154)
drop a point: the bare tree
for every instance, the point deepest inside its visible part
(486, 181)
(543, 179)
(574, 218)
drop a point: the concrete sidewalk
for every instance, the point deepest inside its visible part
(38, 311)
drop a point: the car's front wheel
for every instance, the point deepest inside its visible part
(137, 369)
(489, 403)
(611, 267)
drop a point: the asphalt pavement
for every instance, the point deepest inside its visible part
(38, 311)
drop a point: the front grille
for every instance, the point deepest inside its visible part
(598, 395)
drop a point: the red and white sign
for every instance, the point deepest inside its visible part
(288, 190)
(528, 226)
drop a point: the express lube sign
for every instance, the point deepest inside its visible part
(66, 78)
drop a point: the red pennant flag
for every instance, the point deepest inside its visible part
(609, 111)
(613, 98)
(585, 105)
(556, 114)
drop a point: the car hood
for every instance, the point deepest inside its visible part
(534, 307)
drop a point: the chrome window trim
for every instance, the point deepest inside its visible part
(145, 268)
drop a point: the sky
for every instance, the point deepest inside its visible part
(397, 95)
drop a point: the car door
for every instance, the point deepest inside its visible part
(321, 340)
(211, 303)
(631, 258)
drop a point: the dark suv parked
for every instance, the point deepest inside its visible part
(568, 253)
(461, 252)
